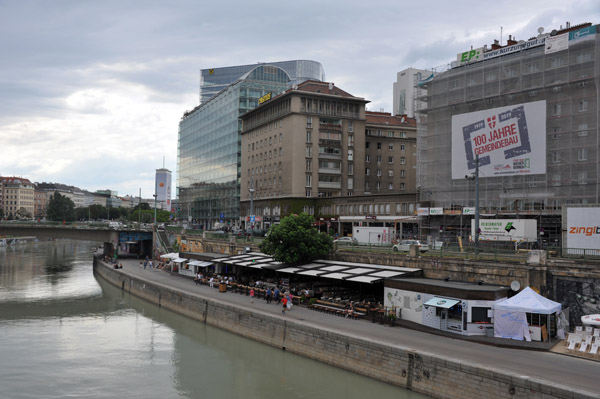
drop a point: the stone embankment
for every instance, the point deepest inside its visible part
(429, 374)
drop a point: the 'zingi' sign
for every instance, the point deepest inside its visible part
(583, 230)
(508, 140)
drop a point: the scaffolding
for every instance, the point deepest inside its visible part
(568, 80)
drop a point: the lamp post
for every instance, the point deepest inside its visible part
(477, 204)
(251, 190)
(140, 209)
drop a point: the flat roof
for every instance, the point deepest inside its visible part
(456, 289)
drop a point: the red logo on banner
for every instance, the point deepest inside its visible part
(492, 122)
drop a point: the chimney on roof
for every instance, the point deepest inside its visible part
(496, 45)
(330, 85)
(511, 41)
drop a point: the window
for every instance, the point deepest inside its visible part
(555, 156)
(391, 133)
(378, 185)
(350, 126)
(308, 136)
(402, 160)
(390, 173)
(269, 140)
(308, 180)
(368, 158)
(350, 155)
(490, 77)
(280, 137)
(350, 168)
(367, 186)
(402, 135)
(308, 151)
(350, 140)
(402, 185)
(350, 183)
(378, 172)
(402, 147)
(378, 158)
(582, 177)
(309, 165)
(390, 159)
(583, 105)
(308, 193)
(391, 147)
(309, 121)
(379, 146)
(367, 172)
(402, 173)
(367, 144)
(556, 109)
(390, 186)
(582, 129)
(582, 154)
(584, 56)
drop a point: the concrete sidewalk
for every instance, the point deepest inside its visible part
(555, 368)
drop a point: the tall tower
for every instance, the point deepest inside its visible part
(163, 188)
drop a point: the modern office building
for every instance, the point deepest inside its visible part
(214, 80)
(209, 143)
(526, 112)
(307, 150)
(404, 91)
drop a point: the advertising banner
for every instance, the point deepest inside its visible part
(583, 230)
(506, 229)
(436, 211)
(509, 140)
(422, 211)
(556, 43)
(163, 188)
(580, 35)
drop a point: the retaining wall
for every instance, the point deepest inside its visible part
(429, 374)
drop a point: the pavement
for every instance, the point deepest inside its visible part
(556, 368)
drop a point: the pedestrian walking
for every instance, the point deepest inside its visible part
(284, 302)
(289, 302)
(268, 295)
(145, 264)
(276, 294)
(150, 263)
(251, 295)
(211, 282)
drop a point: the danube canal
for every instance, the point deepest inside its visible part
(66, 334)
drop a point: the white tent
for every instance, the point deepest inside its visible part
(510, 320)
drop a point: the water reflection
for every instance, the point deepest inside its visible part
(72, 335)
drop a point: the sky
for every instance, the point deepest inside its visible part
(91, 92)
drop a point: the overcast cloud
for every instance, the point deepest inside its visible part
(91, 92)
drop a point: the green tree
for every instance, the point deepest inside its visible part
(60, 208)
(295, 240)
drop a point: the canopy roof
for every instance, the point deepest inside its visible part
(528, 301)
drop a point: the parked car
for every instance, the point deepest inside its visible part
(346, 241)
(404, 246)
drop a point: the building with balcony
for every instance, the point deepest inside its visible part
(17, 197)
(305, 151)
(555, 161)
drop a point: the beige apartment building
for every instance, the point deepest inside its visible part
(306, 151)
(17, 197)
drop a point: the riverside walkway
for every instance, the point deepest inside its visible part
(575, 373)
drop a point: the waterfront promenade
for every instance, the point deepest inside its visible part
(578, 375)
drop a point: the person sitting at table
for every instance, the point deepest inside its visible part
(349, 309)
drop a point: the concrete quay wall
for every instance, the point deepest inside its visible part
(426, 373)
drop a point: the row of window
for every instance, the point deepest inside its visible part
(379, 185)
(263, 156)
(263, 143)
(390, 172)
(390, 146)
(390, 159)
(582, 106)
(582, 155)
(259, 170)
(390, 133)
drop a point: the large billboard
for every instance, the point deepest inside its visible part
(509, 140)
(582, 230)
(506, 229)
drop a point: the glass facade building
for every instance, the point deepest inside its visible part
(213, 80)
(209, 146)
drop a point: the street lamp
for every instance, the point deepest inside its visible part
(251, 190)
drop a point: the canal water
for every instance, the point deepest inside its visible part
(63, 333)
